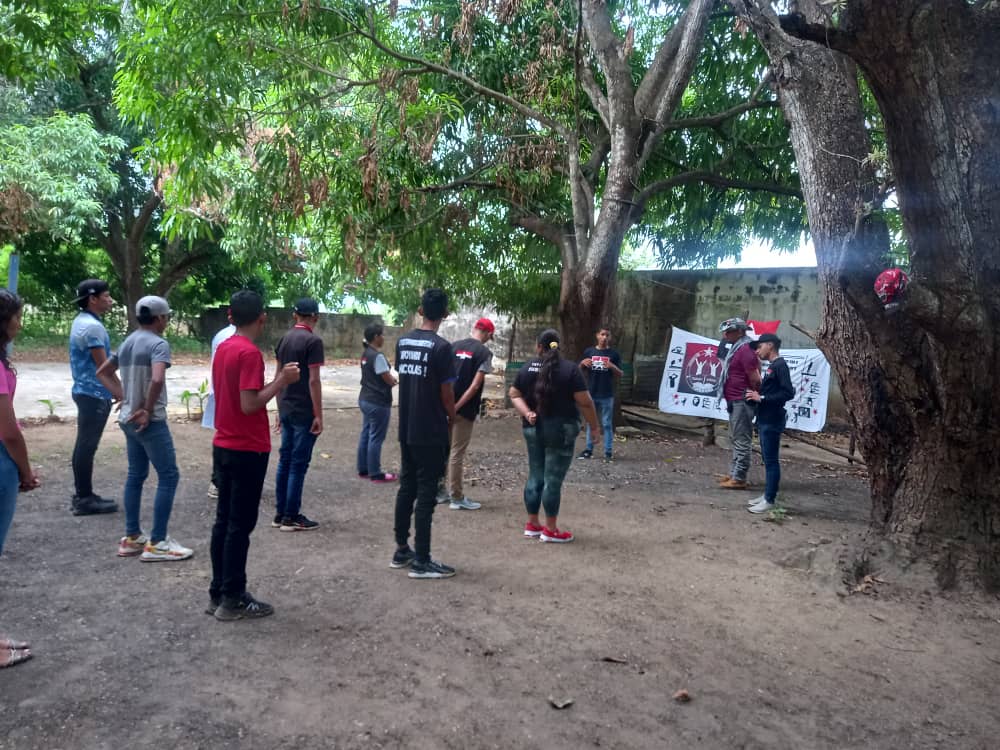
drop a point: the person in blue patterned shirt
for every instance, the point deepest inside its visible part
(89, 346)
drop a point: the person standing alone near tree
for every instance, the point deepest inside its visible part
(603, 366)
(89, 348)
(143, 359)
(241, 449)
(300, 411)
(426, 406)
(473, 362)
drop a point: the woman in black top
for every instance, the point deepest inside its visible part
(375, 402)
(549, 394)
(775, 390)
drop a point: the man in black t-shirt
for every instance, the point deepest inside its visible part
(473, 362)
(300, 411)
(426, 406)
(603, 366)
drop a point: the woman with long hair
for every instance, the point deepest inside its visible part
(16, 473)
(549, 393)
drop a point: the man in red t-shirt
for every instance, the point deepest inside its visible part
(241, 449)
(741, 372)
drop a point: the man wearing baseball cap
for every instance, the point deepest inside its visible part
(740, 374)
(473, 362)
(89, 348)
(144, 357)
(300, 411)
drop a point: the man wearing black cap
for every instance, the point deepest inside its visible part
(89, 347)
(300, 410)
(775, 391)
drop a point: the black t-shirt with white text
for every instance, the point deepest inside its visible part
(600, 377)
(567, 381)
(471, 356)
(424, 363)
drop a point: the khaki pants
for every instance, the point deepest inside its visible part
(461, 434)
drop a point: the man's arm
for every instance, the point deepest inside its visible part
(252, 401)
(472, 390)
(316, 394)
(107, 373)
(98, 354)
(142, 416)
(448, 399)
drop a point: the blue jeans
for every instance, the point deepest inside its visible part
(374, 427)
(550, 452)
(155, 445)
(10, 481)
(605, 415)
(770, 445)
(293, 463)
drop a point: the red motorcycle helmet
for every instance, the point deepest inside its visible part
(890, 285)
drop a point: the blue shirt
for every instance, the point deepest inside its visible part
(88, 332)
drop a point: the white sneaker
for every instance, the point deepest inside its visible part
(753, 501)
(443, 497)
(762, 507)
(212, 490)
(165, 550)
(465, 504)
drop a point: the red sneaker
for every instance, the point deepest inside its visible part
(385, 478)
(533, 530)
(554, 535)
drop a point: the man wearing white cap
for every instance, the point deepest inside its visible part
(740, 373)
(144, 358)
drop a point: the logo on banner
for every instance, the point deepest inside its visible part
(702, 370)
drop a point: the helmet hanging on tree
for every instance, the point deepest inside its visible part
(890, 285)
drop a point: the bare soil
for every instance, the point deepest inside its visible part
(671, 585)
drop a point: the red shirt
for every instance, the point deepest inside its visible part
(742, 364)
(239, 366)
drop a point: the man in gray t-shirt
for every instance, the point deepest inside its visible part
(143, 359)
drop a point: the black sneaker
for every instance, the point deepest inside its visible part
(276, 522)
(608, 458)
(92, 505)
(431, 569)
(586, 454)
(213, 604)
(402, 558)
(298, 523)
(245, 608)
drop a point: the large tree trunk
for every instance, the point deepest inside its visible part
(920, 385)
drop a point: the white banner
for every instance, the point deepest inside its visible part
(692, 372)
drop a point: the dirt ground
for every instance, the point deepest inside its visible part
(670, 585)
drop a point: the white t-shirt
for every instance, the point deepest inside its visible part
(208, 414)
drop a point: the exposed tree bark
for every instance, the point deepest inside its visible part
(920, 385)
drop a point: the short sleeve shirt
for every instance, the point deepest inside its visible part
(86, 333)
(239, 366)
(8, 382)
(135, 358)
(303, 346)
(424, 364)
(567, 381)
(471, 356)
(743, 363)
(600, 377)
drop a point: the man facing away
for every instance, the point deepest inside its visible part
(241, 449)
(143, 359)
(89, 348)
(208, 412)
(603, 367)
(740, 373)
(426, 406)
(473, 362)
(300, 410)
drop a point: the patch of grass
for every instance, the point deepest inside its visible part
(777, 515)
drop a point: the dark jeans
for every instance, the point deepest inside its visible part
(421, 469)
(374, 426)
(770, 445)
(152, 445)
(241, 480)
(91, 417)
(293, 462)
(550, 452)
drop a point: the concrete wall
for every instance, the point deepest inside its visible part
(342, 334)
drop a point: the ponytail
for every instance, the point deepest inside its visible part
(548, 342)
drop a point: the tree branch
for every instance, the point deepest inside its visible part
(797, 26)
(177, 271)
(590, 86)
(479, 88)
(713, 121)
(141, 222)
(709, 178)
